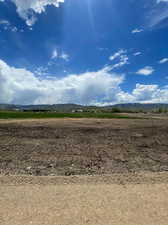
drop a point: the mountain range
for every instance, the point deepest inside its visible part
(75, 107)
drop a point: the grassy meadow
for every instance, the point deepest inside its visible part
(48, 115)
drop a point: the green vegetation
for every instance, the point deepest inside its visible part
(71, 108)
(47, 115)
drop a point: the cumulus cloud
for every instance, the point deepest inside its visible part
(27, 8)
(163, 60)
(143, 92)
(41, 71)
(148, 70)
(20, 86)
(102, 87)
(150, 94)
(136, 31)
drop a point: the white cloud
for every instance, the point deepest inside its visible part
(4, 22)
(157, 17)
(117, 54)
(6, 25)
(137, 53)
(148, 70)
(158, 14)
(14, 29)
(102, 49)
(163, 60)
(64, 56)
(123, 59)
(143, 92)
(150, 94)
(137, 31)
(27, 8)
(54, 54)
(20, 86)
(159, 1)
(41, 71)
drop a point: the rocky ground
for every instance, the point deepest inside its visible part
(84, 171)
(83, 146)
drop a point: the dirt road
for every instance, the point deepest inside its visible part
(139, 200)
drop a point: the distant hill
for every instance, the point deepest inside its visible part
(139, 106)
(56, 107)
(73, 107)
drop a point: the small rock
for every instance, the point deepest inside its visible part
(29, 168)
(41, 167)
(137, 135)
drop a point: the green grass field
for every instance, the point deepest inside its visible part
(47, 115)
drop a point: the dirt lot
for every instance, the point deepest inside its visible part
(83, 146)
(85, 200)
(118, 168)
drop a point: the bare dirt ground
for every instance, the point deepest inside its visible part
(83, 146)
(95, 200)
(99, 172)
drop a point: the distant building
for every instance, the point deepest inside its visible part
(77, 110)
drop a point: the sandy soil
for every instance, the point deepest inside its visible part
(83, 200)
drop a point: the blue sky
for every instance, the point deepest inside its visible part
(90, 52)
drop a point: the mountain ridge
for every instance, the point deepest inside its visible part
(71, 107)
